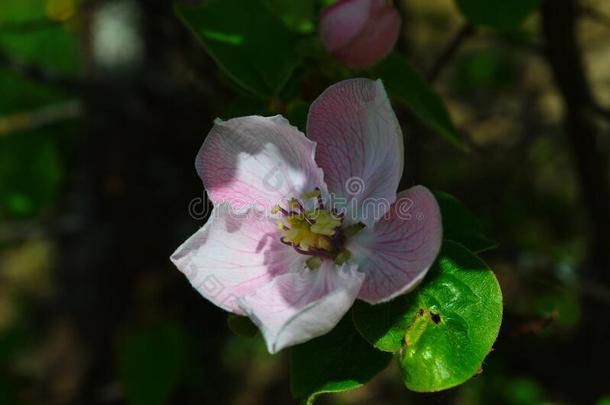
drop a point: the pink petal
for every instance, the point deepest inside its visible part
(233, 255)
(342, 22)
(360, 146)
(374, 42)
(301, 305)
(257, 161)
(398, 252)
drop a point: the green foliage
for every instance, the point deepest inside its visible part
(524, 391)
(241, 326)
(499, 14)
(604, 401)
(484, 70)
(7, 393)
(27, 189)
(460, 225)
(560, 304)
(445, 328)
(408, 87)
(55, 47)
(338, 361)
(299, 15)
(151, 363)
(253, 47)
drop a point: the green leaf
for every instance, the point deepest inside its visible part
(35, 186)
(242, 326)
(54, 46)
(338, 361)
(460, 225)
(151, 362)
(499, 14)
(297, 15)
(249, 43)
(444, 329)
(408, 87)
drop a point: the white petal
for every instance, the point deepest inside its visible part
(233, 255)
(298, 306)
(257, 161)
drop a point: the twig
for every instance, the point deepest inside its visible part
(40, 117)
(565, 59)
(38, 73)
(466, 31)
(19, 231)
(601, 111)
(595, 15)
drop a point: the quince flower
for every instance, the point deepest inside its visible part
(359, 33)
(303, 226)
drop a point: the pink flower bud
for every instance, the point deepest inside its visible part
(359, 33)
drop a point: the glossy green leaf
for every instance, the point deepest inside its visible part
(298, 16)
(151, 362)
(500, 14)
(253, 47)
(407, 86)
(338, 361)
(445, 328)
(460, 225)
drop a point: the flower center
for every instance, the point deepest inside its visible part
(318, 233)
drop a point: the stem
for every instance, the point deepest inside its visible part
(589, 349)
(447, 55)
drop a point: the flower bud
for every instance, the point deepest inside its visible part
(359, 33)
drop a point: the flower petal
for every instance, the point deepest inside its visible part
(257, 161)
(377, 38)
(342, 21)
(398, 252)
(233, 255)
(360, 146)
(301, 305)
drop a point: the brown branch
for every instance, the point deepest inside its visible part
(38, 73)
(32, 119)
(601, 111)
(448, 53)
(564, 56)
(563, 53)
(594, 15)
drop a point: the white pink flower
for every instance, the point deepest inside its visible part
(291, 243)
(359, 33)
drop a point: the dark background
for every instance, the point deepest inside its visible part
(103, 106)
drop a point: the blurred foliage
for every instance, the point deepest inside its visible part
(338, 361)
(497, 13)
(27, 191)
(460, 225)
(151, 362)
(253, 47)
(496, 96)
(404, 83)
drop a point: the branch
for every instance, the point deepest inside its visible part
(565, 59)
(465, 32)
(595, 15)
(40, 117)
(38, 73)
(601, 111)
